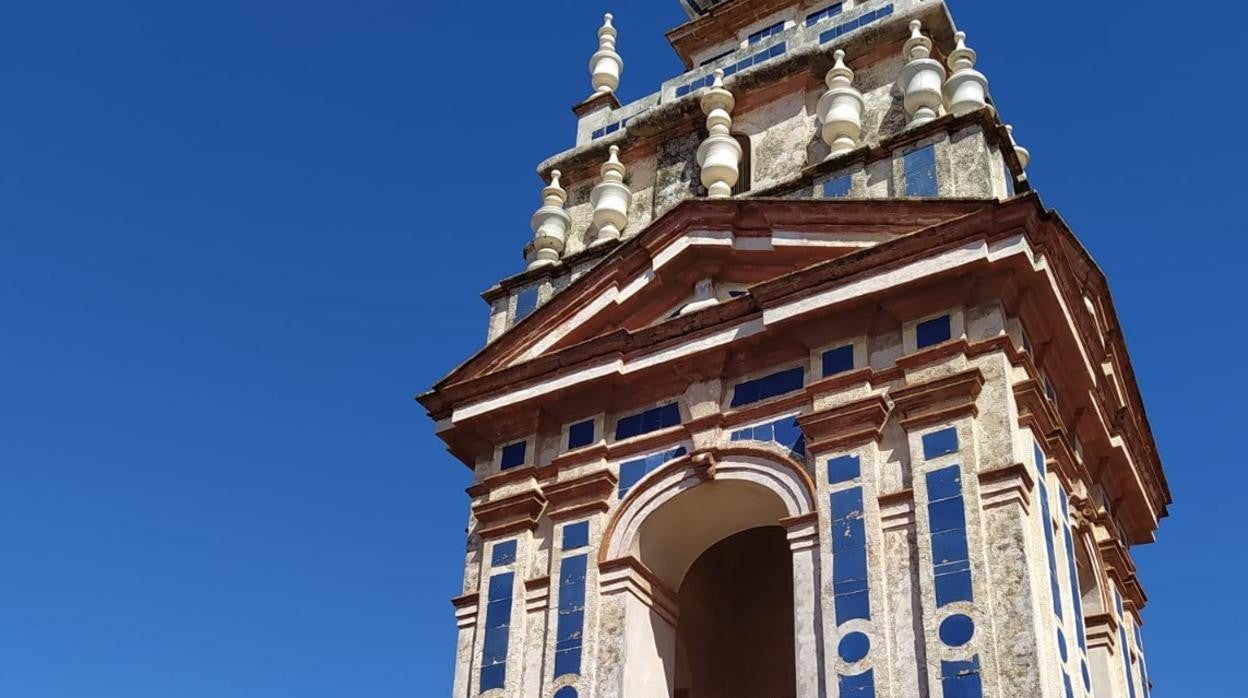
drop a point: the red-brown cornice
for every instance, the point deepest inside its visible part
(941, 400)
(519, 512)
(861, 421)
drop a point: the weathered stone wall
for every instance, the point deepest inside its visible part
(1012, 646)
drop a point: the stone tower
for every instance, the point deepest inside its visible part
(801, 392)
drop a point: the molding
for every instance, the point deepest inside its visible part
(897, 511)
(941, 400)
(1011, 484)
(519, 512)
(579, 497)
(627, 574)
(851, 424)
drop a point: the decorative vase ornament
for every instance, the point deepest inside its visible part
(611, 199)
(550, 226)
(840, 109)
(966, 89)
(605, 66)
(921, 78)
(719, 156)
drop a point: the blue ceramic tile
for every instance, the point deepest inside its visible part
(512, 455)
(503, 553)
(934, 331)
(576, 535)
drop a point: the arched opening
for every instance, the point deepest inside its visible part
(734, 636)
(704, 571)
(1089, 581)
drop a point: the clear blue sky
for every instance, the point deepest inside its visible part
(237, 237)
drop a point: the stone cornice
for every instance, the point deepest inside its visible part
(582, 496)
(519, 512)
(628, 574)
(1011, 484)
(941, 400)
(843, 426)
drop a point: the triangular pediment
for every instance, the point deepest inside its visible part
(732, 244)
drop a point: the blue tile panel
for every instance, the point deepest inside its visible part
(838, 360)
(934, 331)
(960, 679)
(826, 13)
(576, 535)
(569, 631)
(761, 34)
(526, 302)
(497, 630)
(849, 556)
(940, 443)
(1046, 517)
(512, 455)
(754, 59)
(503, 553)
(951, 560)
(920, 168)
(759, 389)
(844, 469)
(1073, 574)
(565, 692)
(856, 23)
(632, 471)
(1122, 642)
(858, 685)
(581, 434)
(1139, 651)
(783, 431)
(837, 188)
(648, 421)
(615, 126)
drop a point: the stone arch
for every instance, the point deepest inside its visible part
(661, 528)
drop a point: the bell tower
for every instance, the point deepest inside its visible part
(800, 390)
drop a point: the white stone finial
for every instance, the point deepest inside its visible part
(921, 78)
(611, 199)
(1023, 155)
(550, 226)
(605, 66)
(840, 109)
(719, 156)
(966, 89)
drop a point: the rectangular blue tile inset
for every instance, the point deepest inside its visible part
(632, 471)
(581, 434)
(826, 13)
(497, 631)
(512, 455)
(960, 679)
(576, 535)
(932, 332)
(857, 685)
(920, 169)
(759, 389)
(844, 469)
(648, 421)
(940, 443)
(849, 556)
(503, 553)
(837, 188)
(838, 360)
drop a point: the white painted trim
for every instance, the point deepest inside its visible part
(946, 261)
